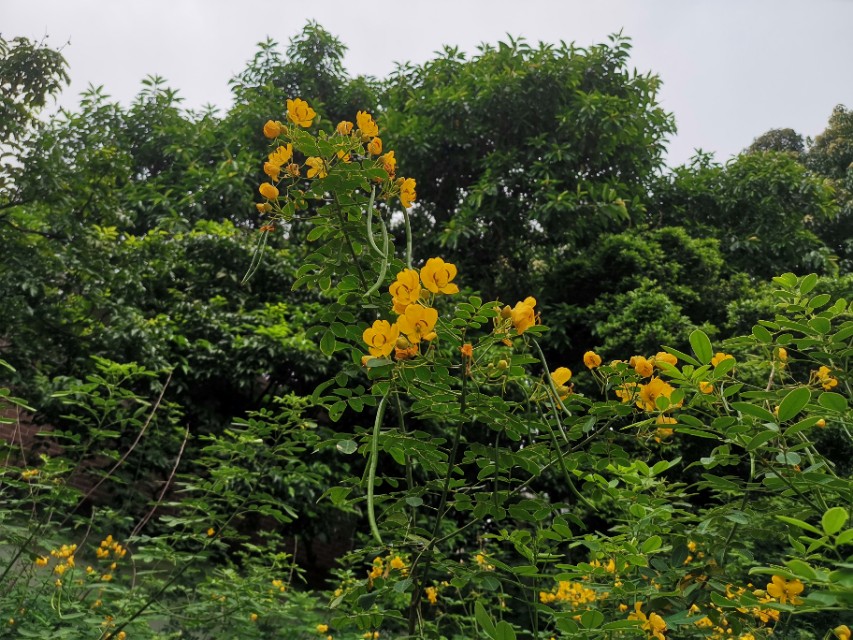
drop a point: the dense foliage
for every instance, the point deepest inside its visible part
(237, 383)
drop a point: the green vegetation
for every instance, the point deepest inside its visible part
(470, 363)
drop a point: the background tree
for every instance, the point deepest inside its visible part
(521, 152)
(779, 140)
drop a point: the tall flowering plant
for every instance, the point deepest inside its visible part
(500, 500)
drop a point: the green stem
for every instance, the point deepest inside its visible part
(384, 266)
(410, 480)
(742, 507)
(451, 460)
(408, 238)
(351, 248)
(374, 461)
(370, 239)
(554, 391)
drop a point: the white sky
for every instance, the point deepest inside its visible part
(731, 69)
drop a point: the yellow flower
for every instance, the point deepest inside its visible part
(642, 366)
(253, 617)
(653, 624)
(281, 155)
(560, 377)
(782, 354)
(825, 379)
(407, 191)
(663, 356)
(842, 632)
(374, 147)
(591, 360)
(41, 561)
(292, 170)
(344, 127)
(649, 393)
(627, 392)
(398, 563)
(821, 423)
(483, 562)
(272, 129)
(366, 125)
(431, 594)
(268, 191)
(300, 113)
(706, 387)
(381, 337)
(467, 350)
(405, 290)
(437, 274)
(418, 323)
(318, 167)
(785, 590)
(523, 316)
(719, 357)
(322, 628)
(389, 162)
(272, 170)
(211, 532)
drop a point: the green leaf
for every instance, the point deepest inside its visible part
(347, 446)
(328, 343)
(808, 283)
(504, 631)
(762, 334)
(682, 356)
(801, 569)
(833, 520)
(592, 619)
(802, 425)
(652, 544)
(760, 439)
(800, 523)
(832, 401)
(701, 345)
(793, 403)
(754, 410)
(484, 620)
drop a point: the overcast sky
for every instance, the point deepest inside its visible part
(731, 69)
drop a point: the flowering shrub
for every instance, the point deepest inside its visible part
(524, 507)
(684, 494)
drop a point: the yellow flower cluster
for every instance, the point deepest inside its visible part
(572, 593)
(653, 624)
(29, 474)
(65, 556)
(379, 568)
(364, 141)
(645, 396)
(107, 546)
(824, 378)
(416, 319)
(483, 562)
(432, 595)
